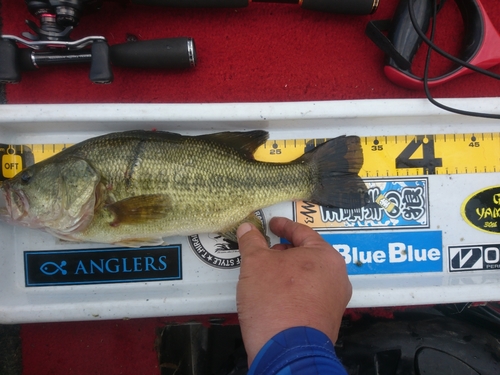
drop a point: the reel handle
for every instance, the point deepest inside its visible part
(100, 68)
(9, 67)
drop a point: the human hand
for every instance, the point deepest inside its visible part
(303, 283)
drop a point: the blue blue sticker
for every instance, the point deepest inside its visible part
(395, 252)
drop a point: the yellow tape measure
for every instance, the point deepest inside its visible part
(384, 156)
(408, 155)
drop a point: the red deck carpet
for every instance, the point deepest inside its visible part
(260, 53)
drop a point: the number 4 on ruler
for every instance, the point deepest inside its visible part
(428, 161)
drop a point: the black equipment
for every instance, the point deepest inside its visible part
(49, 43)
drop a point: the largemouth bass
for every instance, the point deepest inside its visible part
(134, 188)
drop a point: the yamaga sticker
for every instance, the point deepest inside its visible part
(216, 251)
(482, 209)
(399, 203)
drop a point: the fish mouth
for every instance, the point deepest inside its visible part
(16, 203)
(3, 201)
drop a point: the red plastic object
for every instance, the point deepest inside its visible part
(485, 55)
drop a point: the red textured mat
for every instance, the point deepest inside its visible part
(264, 52)
(259, 53)
(101, 347)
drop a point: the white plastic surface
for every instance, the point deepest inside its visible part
(208, 290)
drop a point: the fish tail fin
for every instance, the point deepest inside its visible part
(335, 165)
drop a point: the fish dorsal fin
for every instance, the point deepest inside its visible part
(246, 143)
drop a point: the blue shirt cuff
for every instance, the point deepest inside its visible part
(298, 350)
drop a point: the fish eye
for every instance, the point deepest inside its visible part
(26, 177)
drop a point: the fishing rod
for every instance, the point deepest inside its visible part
(49, 43)
(330, 6)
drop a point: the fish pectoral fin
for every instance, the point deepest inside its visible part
(229, 233)
(138, 242)
(140, 209)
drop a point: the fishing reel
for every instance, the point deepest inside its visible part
(49, 43)
(66, 12)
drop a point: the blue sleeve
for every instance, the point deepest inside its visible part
(297, 351)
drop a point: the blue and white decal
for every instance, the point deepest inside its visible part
(396, 203)
(386, 253)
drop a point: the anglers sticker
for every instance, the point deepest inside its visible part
(397, 203)
(482, 210)
(395, 252)
(102, 266)
(474, 257)
(216, 251)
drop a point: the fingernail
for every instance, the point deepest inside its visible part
(242, 229)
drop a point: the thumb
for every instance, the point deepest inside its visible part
(250, 238)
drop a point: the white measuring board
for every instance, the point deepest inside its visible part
(428, 235)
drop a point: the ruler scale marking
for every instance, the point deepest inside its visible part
(425, 154)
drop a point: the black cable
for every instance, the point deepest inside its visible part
(426, 79)
(443, 53)
(431, 47)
